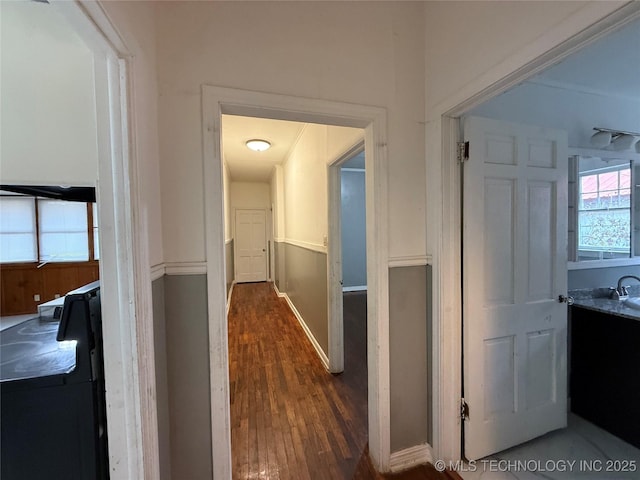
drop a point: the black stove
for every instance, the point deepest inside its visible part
(52, 401)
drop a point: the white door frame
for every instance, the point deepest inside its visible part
(444, 211)
(219, 100)
(124, 265)
(334, 259)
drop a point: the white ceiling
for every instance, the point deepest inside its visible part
(246, 165)
(610, 66)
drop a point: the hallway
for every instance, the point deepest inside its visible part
(290, 419)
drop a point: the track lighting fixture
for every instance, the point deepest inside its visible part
(618, 140)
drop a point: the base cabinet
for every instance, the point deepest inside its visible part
(605, 372)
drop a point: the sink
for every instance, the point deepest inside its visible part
(633, 302)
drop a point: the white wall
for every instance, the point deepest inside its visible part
(47, 99)
(226, 183)
(250, 195)
(360, 52)
(277, 200)
(135, 21)
(498, 38)
(305, 181)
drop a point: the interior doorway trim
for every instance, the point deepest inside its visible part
(445, 211)
(125, 275)
(219, 100)
(334, 258)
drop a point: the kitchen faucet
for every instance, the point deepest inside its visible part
(621, 293)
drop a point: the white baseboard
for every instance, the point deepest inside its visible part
(229, 296)
(357, 288)
(410, 457)
(275, 287)
(312, 339)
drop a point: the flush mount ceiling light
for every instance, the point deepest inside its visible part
(617, 139)
(258, 145)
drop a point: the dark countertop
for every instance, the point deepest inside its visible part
(30, 350)
(598, 299)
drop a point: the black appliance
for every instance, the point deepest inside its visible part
(52, 400)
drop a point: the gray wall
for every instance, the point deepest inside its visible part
(599, 277)
(354, 233)
(408, 346)
(228, 254)
(185, 298)
(162, 387)
(279, 261)
(305, 282)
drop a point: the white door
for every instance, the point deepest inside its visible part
(514, 270)
(250, 257)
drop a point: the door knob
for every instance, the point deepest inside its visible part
(565, 299)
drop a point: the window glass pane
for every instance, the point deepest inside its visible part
(625, 178)
(17, 215)
(17, 229)
(17, 247)
(59, 216)
(64, 247)
(605, 230)
(589, 184)
(63, 231)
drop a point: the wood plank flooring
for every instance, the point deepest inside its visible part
(290, 418)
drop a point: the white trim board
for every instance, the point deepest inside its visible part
(219, 100)
(233, 284)
(323, 356)
(185, 268)
(357, 288)
(410, 261)
(275, 287)
(314, 247)
(125, 276)
(157, 271)
(411, 457)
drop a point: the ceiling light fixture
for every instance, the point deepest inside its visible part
(258, 145)
(618, 139)
(623, 142)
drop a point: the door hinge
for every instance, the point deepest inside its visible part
(463, 151)
(464, 410)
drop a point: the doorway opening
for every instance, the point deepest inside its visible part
(451, 135)
(218, 101)
(279, 227)
(125, 286)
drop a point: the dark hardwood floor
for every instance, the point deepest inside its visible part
(290, 418)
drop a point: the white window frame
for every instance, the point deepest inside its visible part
(617, 169)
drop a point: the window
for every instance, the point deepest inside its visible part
(604, 213)
(17, 229)
(63, 231)
(604, 209)
(45, 230)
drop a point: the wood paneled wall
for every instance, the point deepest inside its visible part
(20, 283)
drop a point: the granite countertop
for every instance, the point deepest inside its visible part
(598, 299)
